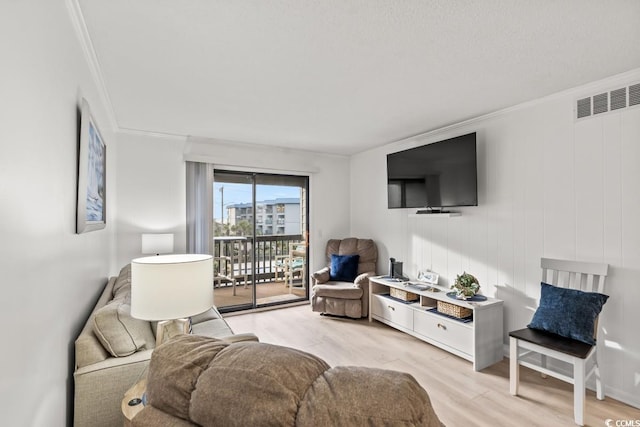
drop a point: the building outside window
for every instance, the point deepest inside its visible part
(287, 219)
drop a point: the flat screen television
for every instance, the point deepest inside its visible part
(434, 176)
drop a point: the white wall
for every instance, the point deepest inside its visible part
(151, 191)
(151, 186)
(548, 186)
(50, 276)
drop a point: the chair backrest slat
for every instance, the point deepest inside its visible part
(573, 281)
(586, 276)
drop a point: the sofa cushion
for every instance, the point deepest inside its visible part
(250, 383)
(341, 290)
(344, 267)
(210, 314)
(358, 396)
(214, 328)
(263, 386)
(122, 285)
(119, 333)
(174, 371)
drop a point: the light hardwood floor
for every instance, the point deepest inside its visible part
(460, 396)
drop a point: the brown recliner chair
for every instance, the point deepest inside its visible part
(344, 289)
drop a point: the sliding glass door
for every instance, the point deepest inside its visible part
(260, 244)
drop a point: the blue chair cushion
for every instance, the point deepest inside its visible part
(344, 268)
(570, 313)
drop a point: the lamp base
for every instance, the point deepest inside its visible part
(168, 329)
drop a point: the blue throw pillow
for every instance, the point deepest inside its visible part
(570, 313)
(344, 268)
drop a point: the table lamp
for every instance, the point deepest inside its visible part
(161, 243)
(169, 289)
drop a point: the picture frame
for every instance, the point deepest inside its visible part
(91, 212)
(428, 277)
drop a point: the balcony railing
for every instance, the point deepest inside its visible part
(233, 257)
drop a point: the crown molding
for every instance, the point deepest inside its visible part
(75, 13)
(193, 140)
(151, 134)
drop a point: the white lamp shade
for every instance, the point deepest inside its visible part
(157, 243)
(171, 286)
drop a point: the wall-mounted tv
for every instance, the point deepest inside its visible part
(434, 176)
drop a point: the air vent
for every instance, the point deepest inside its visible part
(601, 103)
(634, 95)
(618, 98)
(608, 101)
(584, 107)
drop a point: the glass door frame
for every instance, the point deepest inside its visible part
(254, 240)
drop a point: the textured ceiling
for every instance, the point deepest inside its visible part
(342, 76)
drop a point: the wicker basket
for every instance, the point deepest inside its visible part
(403, 295)
(454, 310)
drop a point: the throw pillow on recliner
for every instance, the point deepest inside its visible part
(344, 268)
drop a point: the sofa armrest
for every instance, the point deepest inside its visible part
(100, 387)
(363, 282)
(115, 363)
(321, 276)
(364, 278)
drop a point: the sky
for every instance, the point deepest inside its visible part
(241, 193)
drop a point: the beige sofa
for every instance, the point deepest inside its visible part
(113, 350)
(198, 381)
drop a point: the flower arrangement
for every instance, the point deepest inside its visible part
(465, 285)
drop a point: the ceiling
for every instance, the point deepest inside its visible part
(343, 76)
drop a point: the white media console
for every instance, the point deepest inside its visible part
(478, 339)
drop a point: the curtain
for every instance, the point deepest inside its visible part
(199, 207)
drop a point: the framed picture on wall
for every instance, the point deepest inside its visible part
(92, 163)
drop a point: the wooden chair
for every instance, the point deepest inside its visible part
(585, 276)
(292, 263)
(297, 263)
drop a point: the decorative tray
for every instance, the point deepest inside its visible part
(453, 295)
